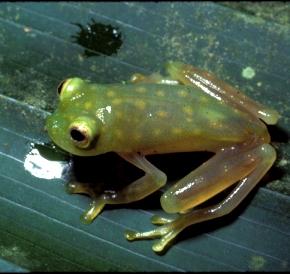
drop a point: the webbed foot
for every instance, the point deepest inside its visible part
(166, 232)
(96, 205)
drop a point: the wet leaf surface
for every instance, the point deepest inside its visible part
(40, 228)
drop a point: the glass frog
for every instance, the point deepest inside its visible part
(188, 110)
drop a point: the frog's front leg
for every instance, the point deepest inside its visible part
(222, 170)
(95, 208)
(149, 183)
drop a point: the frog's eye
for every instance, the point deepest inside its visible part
(83, 132)
(80, 135)
(70, 87)
(60, 87)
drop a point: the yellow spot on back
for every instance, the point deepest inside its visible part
(111, 93)
(141, 90)
(203, 99)
(160, 93)
(137, 136)
(88, 105)
(162, 114)
(182, 93)
(135, 119)
(176, 130)
(139, 103)
(189, 119)
(188, 110)
(119, 114)
(156, 131)
(216, 125)
(117, 101)
(119, 133)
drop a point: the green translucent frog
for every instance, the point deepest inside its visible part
(190, 110)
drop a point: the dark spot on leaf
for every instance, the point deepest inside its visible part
(98, 38)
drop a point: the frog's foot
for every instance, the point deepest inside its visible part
(158, 220)
(78, 188)
(167, 232)
(96, 205)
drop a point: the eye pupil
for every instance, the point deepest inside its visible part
(59, 88)
(77, 135)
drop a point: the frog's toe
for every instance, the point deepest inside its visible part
(158, 220)
(71, 187)
(137, 77)
(135, 235)
(166, 233)
(76, 187)
(94, 210)
(164, 242)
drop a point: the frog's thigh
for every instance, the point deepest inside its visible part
(221, 171)
(266, 156)
(189, 75)
(142, 187)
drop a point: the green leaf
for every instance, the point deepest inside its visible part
(40, 228)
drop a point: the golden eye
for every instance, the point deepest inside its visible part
(80, 135)
(84, 132)
(60, 86)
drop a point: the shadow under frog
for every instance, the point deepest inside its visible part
(114, 173)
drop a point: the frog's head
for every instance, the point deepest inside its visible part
(71, 126)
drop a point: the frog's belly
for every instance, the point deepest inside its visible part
(186, 145)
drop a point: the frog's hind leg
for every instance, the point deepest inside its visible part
(208, 82)
(203, 183)
(154, 78)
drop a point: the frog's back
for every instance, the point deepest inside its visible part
(155, 118)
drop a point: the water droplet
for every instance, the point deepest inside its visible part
(98, 38)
